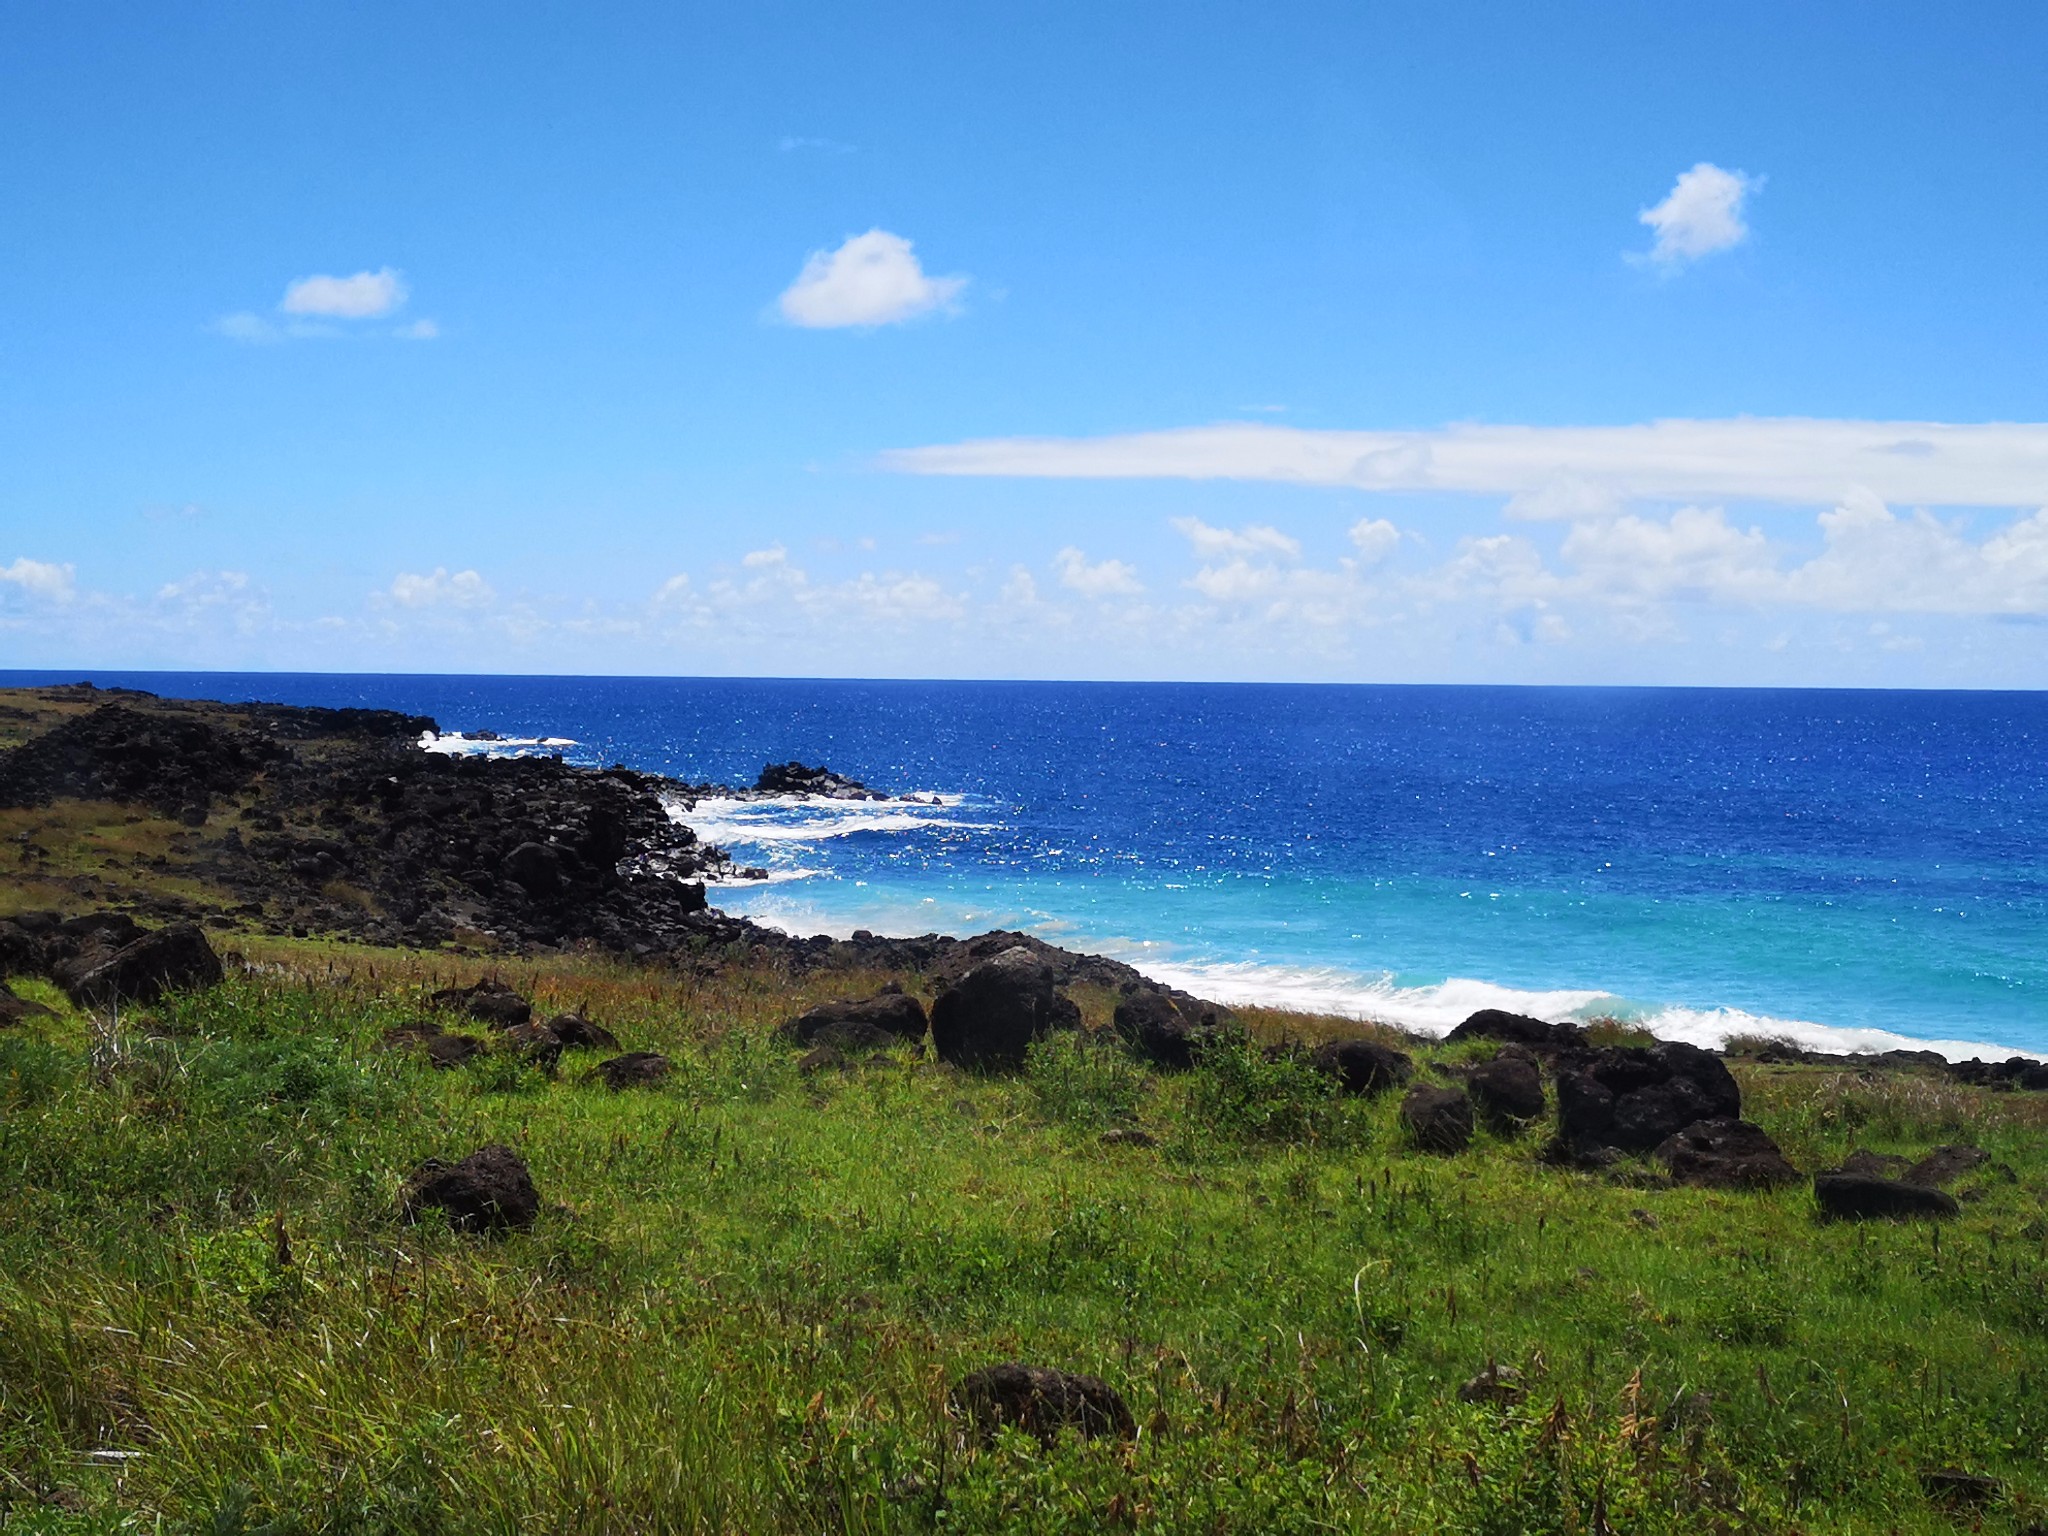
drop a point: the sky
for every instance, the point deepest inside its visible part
(1397, 343)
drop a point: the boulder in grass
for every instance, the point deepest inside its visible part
(1858, 1197)
(1963, 1490)
(490, 1002)
(448, 1051)
(1516, 1029)
(891, 1017)
(1437, 1119)
(176, 958)
(1362, 1066)
(537, 1043)
(1039, 1401)
(635, 1069)
(987, 1020)
(1944, 1165)
(1629, 1099)
(488, 1191)
(1874, 1165)
(14, 1008)
(1725, 1154)
(1167, 1028)
(821, 1058)
(1508, 1090)
(1497, 1385)
(580, 1034)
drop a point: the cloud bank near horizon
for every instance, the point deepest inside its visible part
(1556, 472)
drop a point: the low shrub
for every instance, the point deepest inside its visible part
(1083, 1082)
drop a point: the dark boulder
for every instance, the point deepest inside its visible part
(1167, 1028)
(1362, 1066)
(22, 938)
(821, 1058)
(71, 947)
(1964, 1490)
(446, 1051)
(794, 778)
(580, 1034)
(1041, 1402)
(1873, 1165)
(2021, 1072)
(987, 1020)
(1858, 1197)
(1725, 1154)
(14, 1009)
(1437, 1119)
(1944, 1165)
(635, 1069)
(1508, 1090)
(1631, 1098)
(536, 867)
(890, 1017)
(490, 1002)
(488, 1191)
(1516, 1029)
(537, 1043)
(172, 959)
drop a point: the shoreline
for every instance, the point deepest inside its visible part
(336, 871)
(1432, 1011)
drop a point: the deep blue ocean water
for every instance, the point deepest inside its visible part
(1839, 866)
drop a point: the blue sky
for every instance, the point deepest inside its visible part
(1134, 341)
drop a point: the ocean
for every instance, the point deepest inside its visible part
(1853, 870)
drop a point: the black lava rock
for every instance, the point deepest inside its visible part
(988, 1019)
(1040, 1401)
(488, 1191)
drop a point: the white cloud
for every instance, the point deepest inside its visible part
(872, 279)
(1021, 589)
(759, 559)
(902, 598)
(1800, 460)
(40, 578)
(1871, 561)
(360, 296)
(1374, 538)
(1696, 553)
(418, 330)
(1109, 578)
(1701, 215)
(244, 325)
(1252, 539)
(1874, 561)
(439, 589)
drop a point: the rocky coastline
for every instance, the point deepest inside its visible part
(306, 822)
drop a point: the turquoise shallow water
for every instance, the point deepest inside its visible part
(1842, 866)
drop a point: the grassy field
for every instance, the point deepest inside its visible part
(748, 1292)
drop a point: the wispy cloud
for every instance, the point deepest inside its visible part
(870, 280)
(791, 143)
(360, 296)
(324, 305)
(439, 588)
(1701, 214)
(1252, 539)
(1103, 578)
(1798, 460)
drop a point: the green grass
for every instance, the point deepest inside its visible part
(749, 1291)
